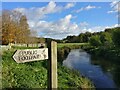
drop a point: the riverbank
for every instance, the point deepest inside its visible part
(100, 71)
(34, 75)
(107, 57)
(111, 53)
(65, 48)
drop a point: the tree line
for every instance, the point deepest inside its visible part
(82, 37)
(108, 37)
(15, 29)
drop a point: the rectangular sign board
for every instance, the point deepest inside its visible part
(28, 55)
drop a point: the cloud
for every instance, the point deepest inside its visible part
(21, 10)
(39, 13)
(115, 7)
(58, 29)
(84, 24)
(98, 28)
(113, 26)
(64, 27)
(113, 3)
(69, 5)
(89, 7)
(111, 12)
(42, 12)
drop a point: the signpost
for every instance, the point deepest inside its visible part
(52, 66)
(28, 55)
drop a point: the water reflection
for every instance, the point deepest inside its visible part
(103, 73)
(111, 68)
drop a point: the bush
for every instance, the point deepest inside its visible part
(95, 41)
(116, 37)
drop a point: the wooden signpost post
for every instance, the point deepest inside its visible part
(28, 55)
(52, 66)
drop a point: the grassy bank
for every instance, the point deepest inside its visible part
(72, 45)
(65, 48)
(34, 75)
(110, 53)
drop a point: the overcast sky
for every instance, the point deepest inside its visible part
(60, 19)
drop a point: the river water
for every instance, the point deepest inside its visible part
(103, 73)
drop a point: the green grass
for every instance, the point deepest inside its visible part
(19, 47)
(72, 79)
(34, 75)
(71, 45)
(59, 45)
(28, 75)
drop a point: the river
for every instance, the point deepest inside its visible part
(103, 73)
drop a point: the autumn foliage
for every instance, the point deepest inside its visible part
(15, 28)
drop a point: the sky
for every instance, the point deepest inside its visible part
(59, 19)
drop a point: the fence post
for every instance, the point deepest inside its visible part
(52, 66)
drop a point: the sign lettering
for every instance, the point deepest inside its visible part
(28, 55)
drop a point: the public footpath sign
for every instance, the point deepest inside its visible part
(28, 55)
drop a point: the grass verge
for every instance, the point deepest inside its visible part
(34, 75)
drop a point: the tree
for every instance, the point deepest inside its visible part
(14, 28)
(106, 38)
(116, 37)
(0, 30)
(24, 28)
(7, 28)
(41, 40)
(95, 40)
(84, 37)
(33, 37)
(81, 37)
